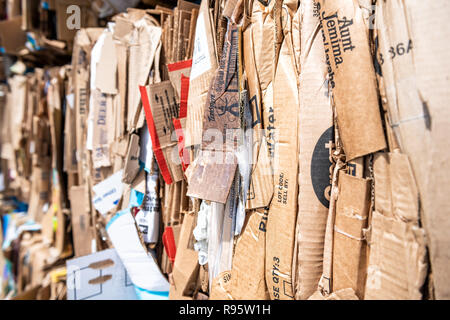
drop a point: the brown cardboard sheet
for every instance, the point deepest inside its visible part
(352, 77)
(414, 64)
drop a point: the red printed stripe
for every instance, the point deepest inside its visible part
(179, 65)
(169, 244)
(184, 96)
(155, 140)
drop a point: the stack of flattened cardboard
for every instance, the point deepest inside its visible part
(224, 149)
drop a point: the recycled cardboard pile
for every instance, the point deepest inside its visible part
(232, 149)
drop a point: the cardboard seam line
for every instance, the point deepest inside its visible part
(156, 145)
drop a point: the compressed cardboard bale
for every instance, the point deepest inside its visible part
(351, 77)
(316, 136)
(413, 61)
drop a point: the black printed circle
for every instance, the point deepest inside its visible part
(320, 167)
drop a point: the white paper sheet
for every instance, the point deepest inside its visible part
(142, 268)
(200, 57)
(108, 192)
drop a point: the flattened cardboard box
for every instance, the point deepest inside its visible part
(417, 81)
(397, 263)
(204, 65)
(248, 281)
(316, 136)
(102, 117)
(106, 71)
(161, 107)
(81, 220)
(216, 165)
(261, 183)
(280, 234)
(351, 77)
(141, 57)
(349, 244)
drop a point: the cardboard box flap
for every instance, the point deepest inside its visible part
(350, 66)
(396, 193)
(204, 64)
(106, 73)
(352, 212)
(397, 265)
